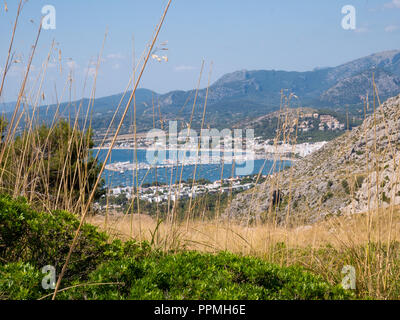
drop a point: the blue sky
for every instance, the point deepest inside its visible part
(234, 34)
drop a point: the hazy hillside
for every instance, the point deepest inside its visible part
(244, 95)
(353, 89)
(386, 60)
(7, 107)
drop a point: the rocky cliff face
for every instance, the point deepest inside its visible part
(356, 172)
(350, 89)
(387, 60)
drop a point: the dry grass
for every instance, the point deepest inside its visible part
(323, 248)
(207, 236)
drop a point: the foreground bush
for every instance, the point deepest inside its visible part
(43, 239)
(100, 269)
(195, 276)
(20, 281)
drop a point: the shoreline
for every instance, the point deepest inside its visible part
(257, 156)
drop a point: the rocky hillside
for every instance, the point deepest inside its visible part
(349, 90)
(353, 173)
(311, 125)
(386, 60)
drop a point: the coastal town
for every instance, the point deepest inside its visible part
(251, 149)
(309, 121)
(164, 193)
(326, 122)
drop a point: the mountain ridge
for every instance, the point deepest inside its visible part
(247, 94)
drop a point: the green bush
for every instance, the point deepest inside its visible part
(358, 182)
(327, 196)
(385, 198)
(345, 186)
(196, 276)
(44, 239)
(20, 281)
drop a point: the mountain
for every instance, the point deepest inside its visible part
(352, 89)
(7, 107)
(386, 60)
(264, 86)
(356, 172)
(327, 87)
(243, 95)
(102, 111)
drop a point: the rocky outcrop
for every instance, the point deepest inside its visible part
(350, 89)
(356, 172)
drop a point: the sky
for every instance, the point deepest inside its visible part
(233, 35)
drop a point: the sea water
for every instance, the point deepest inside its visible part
(211, 172)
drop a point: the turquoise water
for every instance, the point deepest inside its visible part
(211, 172)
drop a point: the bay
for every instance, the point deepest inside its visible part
(211, 172)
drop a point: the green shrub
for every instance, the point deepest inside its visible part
(345, 186)
(44, 239)
(385, 198)
(20, 281)
(196, 276)
(358, 182)
(327, 196)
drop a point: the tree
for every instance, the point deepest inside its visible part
(53, 164)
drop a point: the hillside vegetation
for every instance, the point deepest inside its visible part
(354, 173)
